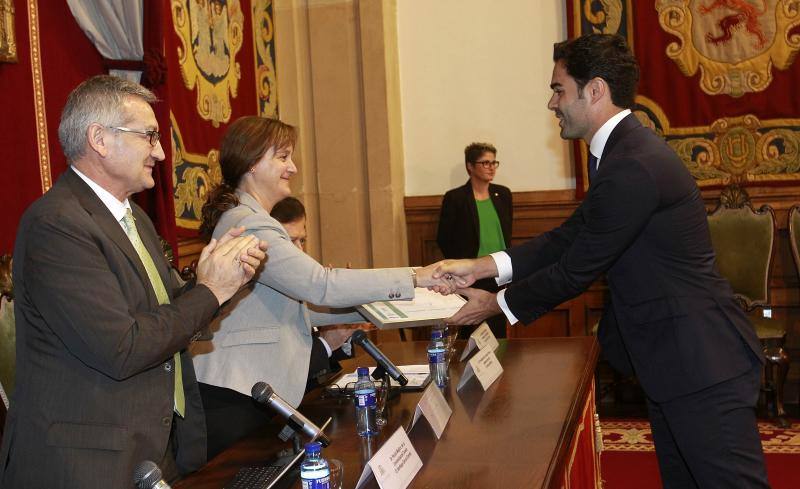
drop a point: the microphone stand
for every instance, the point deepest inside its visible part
(289, 431)
(384, 394)
(380, 374)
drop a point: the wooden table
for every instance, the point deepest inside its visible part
(534, 427)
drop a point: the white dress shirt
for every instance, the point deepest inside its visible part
(501, 259)
(117, 208)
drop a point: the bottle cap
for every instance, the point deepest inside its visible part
(313, 447)
(436, 334)
(362, 371)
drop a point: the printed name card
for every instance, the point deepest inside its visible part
(482, 338)
(395, 464)
(485, 366)
(434, 407)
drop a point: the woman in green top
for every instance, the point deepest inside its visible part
(476, 218)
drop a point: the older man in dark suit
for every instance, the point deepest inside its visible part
(672, 318)
(103, 381)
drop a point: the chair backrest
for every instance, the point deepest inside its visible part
(744, 243)
(794, 234)
(7, 337)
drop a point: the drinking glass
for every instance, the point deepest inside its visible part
(382, 394)
(337, 473)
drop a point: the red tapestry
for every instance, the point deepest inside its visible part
(53, 57)
(221, 60)
(717, 82)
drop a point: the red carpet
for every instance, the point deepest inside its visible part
(629, 461)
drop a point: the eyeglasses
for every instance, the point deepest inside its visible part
(488, 164)
(153, 136)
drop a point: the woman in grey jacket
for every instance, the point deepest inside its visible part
(264, 332)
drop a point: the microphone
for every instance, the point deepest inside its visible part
(263, 393)
(359, 337)
(147, 475)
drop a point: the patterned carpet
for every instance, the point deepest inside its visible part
(635, 436)
(629, 461)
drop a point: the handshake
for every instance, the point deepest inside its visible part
(450, 276)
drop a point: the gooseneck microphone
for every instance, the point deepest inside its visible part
(147, 475)
(263, 393)
(359, 337)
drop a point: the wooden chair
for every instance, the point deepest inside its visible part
(7, 335)
(744, 243)
(794, 234)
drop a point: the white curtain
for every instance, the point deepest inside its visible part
(115, 27)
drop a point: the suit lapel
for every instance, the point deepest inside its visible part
(472, 207)
(108, 225)
(494, 195)
(251, 203)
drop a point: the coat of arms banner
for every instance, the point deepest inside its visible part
(718, 82)
(224, 55)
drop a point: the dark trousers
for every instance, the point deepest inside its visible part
(709, 439)
(168, 465)
(230, 416)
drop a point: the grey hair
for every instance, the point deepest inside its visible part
(96, 100)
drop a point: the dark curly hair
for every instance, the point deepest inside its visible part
(475, 151)
(288, 210)
(605, 56)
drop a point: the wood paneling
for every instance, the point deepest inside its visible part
(537, 212)
(189, 251)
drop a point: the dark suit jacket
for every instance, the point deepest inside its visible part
(672, 318)
(458, 235)
(94, 378)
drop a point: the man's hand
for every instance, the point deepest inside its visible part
(464, 273)
(226, 265)
(442, 284)
(337, 335)
(481, 305)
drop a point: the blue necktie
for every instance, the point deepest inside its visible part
(592, 167)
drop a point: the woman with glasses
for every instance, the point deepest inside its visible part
(264, 332)
(475, 219)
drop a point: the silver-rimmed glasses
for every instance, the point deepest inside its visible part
(152, 135)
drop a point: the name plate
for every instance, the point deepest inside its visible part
(485, 366)
(434, 407)
(482, 338)
(394, 465)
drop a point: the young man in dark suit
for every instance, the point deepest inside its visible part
(103, 380)
(671, 318)
(475, 219)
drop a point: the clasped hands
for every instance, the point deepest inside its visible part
(449, 276)
(225, 265)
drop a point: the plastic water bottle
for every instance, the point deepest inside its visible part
(437, 359)
(314, 471)
(446, 338)
(365, 404)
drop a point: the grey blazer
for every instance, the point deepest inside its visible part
(264, 332)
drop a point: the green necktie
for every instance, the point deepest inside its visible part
(161, 295)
